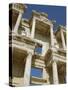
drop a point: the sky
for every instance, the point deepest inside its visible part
(36, 72)
(57, 13)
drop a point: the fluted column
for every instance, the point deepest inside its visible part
(33, 27)
(55, 72)
(27, 71)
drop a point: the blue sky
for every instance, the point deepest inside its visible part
(57, 13)
(36, 72)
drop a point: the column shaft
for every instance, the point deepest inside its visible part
(52, 36)
(17, 22)
(45, 76)
(63, 40)
(55, 73)
(27, 69)
(33, 28)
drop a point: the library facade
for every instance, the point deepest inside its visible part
(37, 53)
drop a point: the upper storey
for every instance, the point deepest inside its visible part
(38, 28)
(16, 11)
(60, 35)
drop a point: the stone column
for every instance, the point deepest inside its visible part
(17, 22)
(63, 40)
(27, 71)
(55, 72)
(33, 27)
(44, 73)
(52, 36)
(45, 76)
